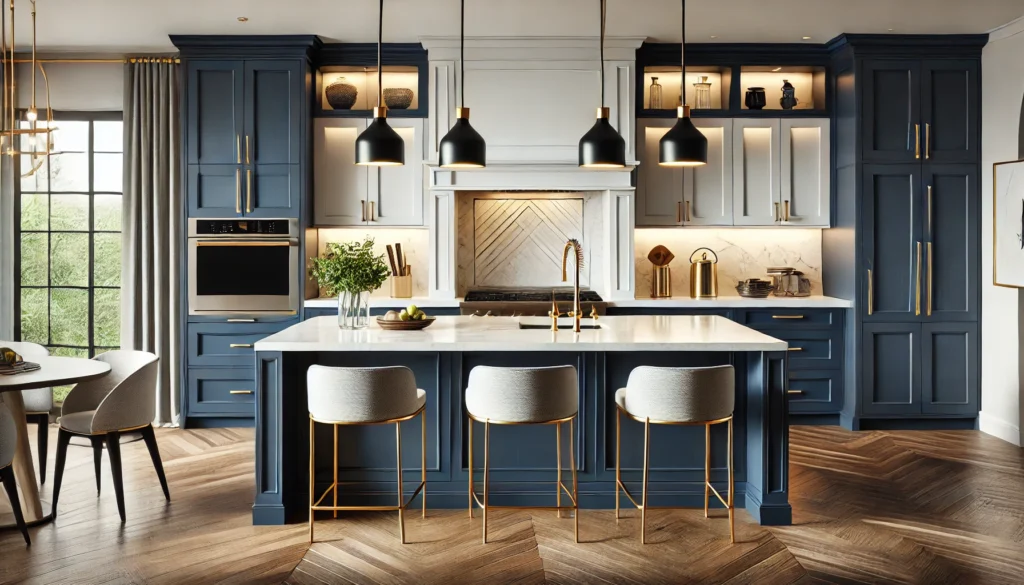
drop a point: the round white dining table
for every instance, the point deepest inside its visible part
(53, 371)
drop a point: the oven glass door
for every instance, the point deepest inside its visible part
(232, 276)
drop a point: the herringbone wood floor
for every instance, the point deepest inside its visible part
(872, 507)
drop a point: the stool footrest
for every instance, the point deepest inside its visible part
(334, 486)
(622, 486)
(568, 493)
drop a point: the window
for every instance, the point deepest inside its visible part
(68, 296)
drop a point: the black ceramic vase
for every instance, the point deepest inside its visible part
(756, 98)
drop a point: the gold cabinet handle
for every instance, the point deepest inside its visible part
(239, 391)
(776, 211)
(240, 345)
(871, 294)
(794, 391)
(248, 190)
(679, 212)
(238, 149)
(927, 141)
(796, 349)
(688, 218)
(929, 211)
(373, 216)
(241, 320)
(917, 141)
(787, 316)
(238, 191)
(248, 160)
(786, 207)
(917, 295)
(362, 205)
(929, 307)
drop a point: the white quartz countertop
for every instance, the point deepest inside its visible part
(424, 302)
(639, 333)
(679, 302)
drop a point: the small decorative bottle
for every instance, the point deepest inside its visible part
(654, 101)
(702, 94)
(788, 101)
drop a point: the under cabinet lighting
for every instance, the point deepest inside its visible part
(243, 19)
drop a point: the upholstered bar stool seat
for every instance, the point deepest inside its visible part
(515, 396)
(364, 396)
(38, 401)
(677, 396)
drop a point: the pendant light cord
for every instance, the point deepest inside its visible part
(682, 57)
(604, 7)
(462, 54)
(380, 40)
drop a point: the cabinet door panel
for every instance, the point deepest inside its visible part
(273, 96)
(891, 225)
(892, 95)
(952, 226)
(892, 368)
(815, 391)
(950, 91)
(755, 171)
(273, 191)
(397, 192)
(806, 172)
(659, 198)
(215, 190)
(950, 376)
(221, 391)
(339, 186)
(215, 105)
(707, 189)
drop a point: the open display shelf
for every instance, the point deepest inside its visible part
(720, 80)
(405, 68)
(364, 80)
(808, 83)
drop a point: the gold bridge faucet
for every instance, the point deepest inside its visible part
(577, 311)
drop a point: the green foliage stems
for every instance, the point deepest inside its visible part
(349, 267)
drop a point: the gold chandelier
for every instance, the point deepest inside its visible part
(29, 136)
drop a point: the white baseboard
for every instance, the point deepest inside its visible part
(999, 428)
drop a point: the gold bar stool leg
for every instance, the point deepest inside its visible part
(335, 487)
(618, 456)
(469, 421)
(558, 455)
(423, 459)
(487, 469)
(311, 486)
(732, 525)
(575, 490)
(707, 466)
(401, 508)
(647, 465)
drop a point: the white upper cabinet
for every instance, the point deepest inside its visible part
(659, 200)
(755, 171)
(707, 189)
(806, 173)
(396, 193)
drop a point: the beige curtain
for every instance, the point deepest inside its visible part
(152, 224)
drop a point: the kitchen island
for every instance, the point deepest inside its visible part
(522, 457)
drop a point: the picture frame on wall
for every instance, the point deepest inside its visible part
(1008, 224)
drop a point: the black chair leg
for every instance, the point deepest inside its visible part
(154, 453)
(42, 421)
(97, 458)
(7, 475)
(114, 450)
(63, 438)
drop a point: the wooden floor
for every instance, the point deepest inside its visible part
(871, 507)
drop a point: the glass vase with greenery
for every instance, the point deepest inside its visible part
(350, 271)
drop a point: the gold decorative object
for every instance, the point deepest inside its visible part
(661, 280)
(577, 249)
(401, 286)
(30, 137)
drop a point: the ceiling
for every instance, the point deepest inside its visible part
(143, 25)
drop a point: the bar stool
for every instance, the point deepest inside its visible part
(676, 396)
(365, 396)
(523, 396)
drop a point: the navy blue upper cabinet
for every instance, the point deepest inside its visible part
(892, 98)
(950, 94)
(893, 245)
(273, 106)
(215, 105)
(952, 250)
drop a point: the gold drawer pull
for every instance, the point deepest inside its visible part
(240, 345)
(240, 392)
(787, 316)
(794, 391)
(796, 349)
(241, 320)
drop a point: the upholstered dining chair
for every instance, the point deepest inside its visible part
(38, 402)
(123, 401)
(8, 444)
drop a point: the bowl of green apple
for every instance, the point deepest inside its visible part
(410, 318)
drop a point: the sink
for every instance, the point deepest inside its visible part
(564, 324)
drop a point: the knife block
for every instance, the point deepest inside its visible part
(401, 286)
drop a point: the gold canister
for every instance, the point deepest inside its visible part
(661, 282)
(703, 275)
(401, 286)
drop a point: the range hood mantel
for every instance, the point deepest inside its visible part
(529, 177)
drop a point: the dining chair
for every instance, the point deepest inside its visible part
(8, 445)
(38, 402)
(123, 401)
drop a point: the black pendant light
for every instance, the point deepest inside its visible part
(602, 146)
(379, 145)
(462, 146)
(683, 145)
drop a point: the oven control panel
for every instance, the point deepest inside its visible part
(242, 227)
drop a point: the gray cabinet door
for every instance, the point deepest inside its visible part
(755, 166)
(949, 368)
(659, 190)
(340, 186)
(893, 244)
(952, 239)
(214, 112)
(950, 94)
(891, 362)
(395, 194)
(806, 171)
(891, 107)
(707, 189)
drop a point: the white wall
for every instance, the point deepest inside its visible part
(1002, 92)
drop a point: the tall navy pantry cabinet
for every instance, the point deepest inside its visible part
(246, 137)
(906, 245)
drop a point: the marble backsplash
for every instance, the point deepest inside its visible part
(414, 244)
(742, 254)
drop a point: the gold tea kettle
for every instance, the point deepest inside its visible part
(703, 275)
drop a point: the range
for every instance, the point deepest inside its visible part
(535, 302)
